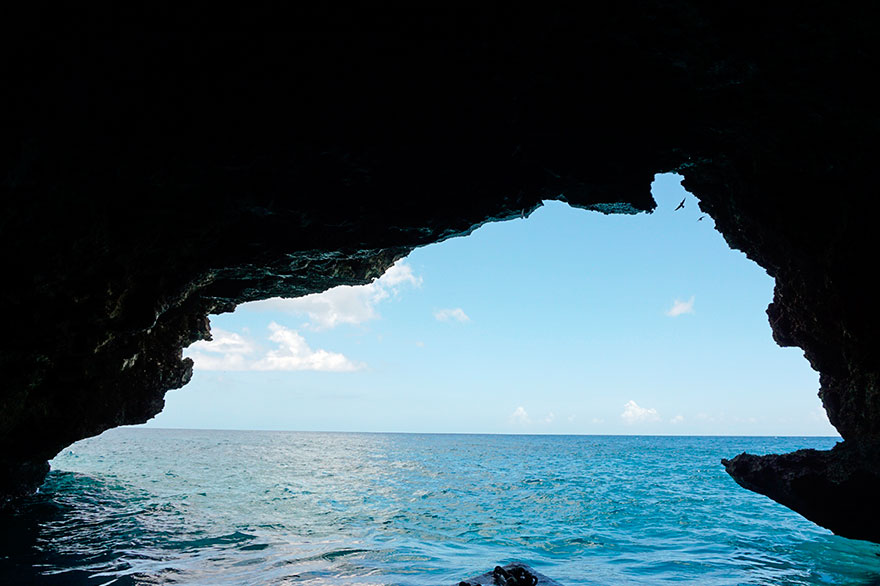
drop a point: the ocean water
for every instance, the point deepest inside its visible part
(148, 506)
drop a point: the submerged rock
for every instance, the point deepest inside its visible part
(515, 574)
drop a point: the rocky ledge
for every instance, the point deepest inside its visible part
(150, 181)
(836, 489)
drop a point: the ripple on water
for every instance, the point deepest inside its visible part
(139, 506)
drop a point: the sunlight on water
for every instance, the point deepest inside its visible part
(141, 506)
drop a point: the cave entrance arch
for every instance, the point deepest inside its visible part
(621, 324)
(132, 215)
(644, 324)
(674, 307)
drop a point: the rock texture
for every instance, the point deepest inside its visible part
(836, 489)
(515, 574)
(149, 181)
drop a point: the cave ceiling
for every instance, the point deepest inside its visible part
(152, 180)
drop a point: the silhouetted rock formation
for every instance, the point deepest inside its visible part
(515, 574)
(836, 489)
(151, 181)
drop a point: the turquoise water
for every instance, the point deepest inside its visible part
(147, 506)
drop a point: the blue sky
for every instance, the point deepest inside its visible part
(565, 322)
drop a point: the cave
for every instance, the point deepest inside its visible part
(153, 180)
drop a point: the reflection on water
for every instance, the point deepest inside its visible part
(138, 506)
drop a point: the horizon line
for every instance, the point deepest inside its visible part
(275, 430)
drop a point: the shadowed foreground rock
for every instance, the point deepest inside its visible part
(838, 489)
(149, 181)
(514, 574)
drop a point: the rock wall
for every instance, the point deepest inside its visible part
(149, 181)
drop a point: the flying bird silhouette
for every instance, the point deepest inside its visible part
(681, 205)
(700, 219)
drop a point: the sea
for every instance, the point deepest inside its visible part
(154, 506)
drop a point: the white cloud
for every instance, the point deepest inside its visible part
(225, 342)
(225, 351)
(399, 273)
(456, 314)
(598, 420)
(677, 419)
(205, 361)
(231, 351)
(632, 413)
(345, 304)
(680, 307)
(520, 416)
(294, 354)
(549, 418)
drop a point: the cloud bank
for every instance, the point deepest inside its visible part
(345, 304)
(231, 351)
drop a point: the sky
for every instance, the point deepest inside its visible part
(565, 322)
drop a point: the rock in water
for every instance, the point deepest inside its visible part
(514, 574)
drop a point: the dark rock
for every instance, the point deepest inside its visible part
(836, 489)
(515, 574)
(149, 181)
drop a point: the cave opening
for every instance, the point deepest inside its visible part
(556, 390)
(566, 322)
(154, 180)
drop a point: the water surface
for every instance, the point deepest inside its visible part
(148, 506)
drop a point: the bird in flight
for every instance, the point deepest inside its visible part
(700, 219)
(681, 205)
